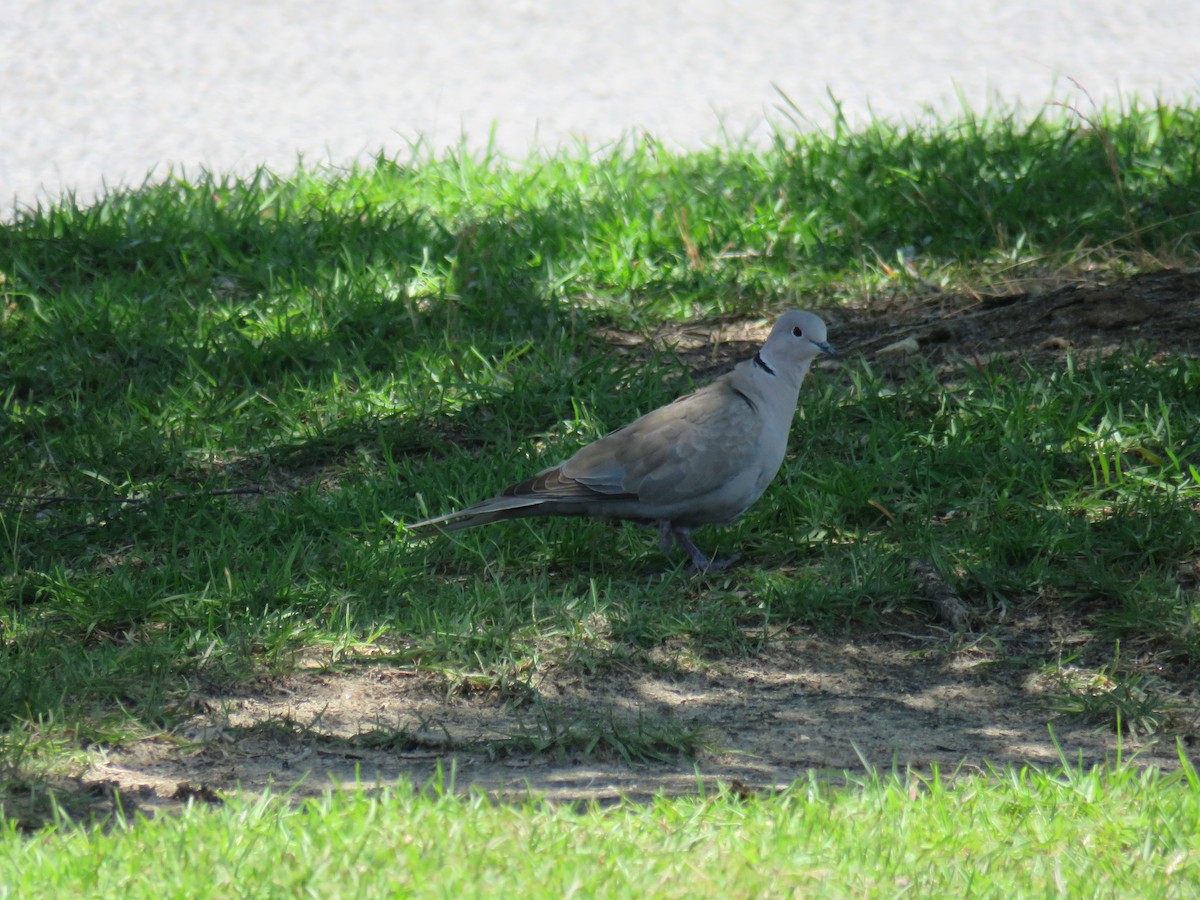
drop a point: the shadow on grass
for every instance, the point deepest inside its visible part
(189, 337)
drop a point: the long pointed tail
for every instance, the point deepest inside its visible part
(495, 510)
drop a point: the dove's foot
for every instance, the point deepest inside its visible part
(668, 533)
(718, 565)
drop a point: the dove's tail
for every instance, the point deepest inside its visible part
(495, 510)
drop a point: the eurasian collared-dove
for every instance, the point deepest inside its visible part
(702, 460)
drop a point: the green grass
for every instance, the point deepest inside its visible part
(220, 398)
(1019, 833)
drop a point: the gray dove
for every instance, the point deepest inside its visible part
(701, 460)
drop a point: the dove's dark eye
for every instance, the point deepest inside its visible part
(797, 332)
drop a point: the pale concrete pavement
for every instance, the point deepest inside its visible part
(108, 91)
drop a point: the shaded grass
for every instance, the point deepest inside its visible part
(221, 397)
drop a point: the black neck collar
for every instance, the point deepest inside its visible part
(762, 364)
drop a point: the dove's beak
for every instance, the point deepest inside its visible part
(827, 348)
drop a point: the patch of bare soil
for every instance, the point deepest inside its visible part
(1160, 310)
(801, 704)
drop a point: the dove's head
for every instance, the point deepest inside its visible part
(794, 342)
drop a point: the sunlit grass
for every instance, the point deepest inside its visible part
(1004, 834)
